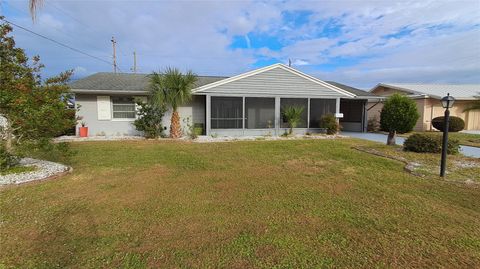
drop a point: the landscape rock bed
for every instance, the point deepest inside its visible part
(44, 169)
(209, 139)
(97, 138)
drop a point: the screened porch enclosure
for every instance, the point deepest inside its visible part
(232, 115)
(259, 113)
(227, 113)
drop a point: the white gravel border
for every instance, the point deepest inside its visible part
(45, 169)
(209, 139)
(67, 138)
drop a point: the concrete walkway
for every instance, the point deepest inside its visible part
(382, 138)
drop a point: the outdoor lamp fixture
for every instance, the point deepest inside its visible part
(447, 102)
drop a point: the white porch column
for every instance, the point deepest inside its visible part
(277, 116)
(208, 108)
(308, 113)
(243, 115)
(337, 108)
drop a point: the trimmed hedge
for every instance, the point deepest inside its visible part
(430, 143)
(455, 124)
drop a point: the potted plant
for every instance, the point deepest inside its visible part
(83, 130)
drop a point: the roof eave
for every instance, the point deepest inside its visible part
(119, 92)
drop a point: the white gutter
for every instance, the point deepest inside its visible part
(121, 92)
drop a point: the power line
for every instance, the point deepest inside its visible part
(52, 26)
(57, 42)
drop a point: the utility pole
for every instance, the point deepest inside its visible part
(114, 55)
(134, 62)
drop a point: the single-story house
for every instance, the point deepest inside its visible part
(246, 104)
(427, 97)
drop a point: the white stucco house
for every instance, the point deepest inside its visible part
(246, 104)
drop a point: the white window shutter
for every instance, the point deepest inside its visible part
(104, 111)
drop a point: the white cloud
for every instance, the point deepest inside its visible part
(438, 45)
(299, 62)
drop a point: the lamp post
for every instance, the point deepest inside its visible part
(447, 102)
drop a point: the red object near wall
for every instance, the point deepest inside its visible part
(83, 131)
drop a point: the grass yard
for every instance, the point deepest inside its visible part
(262, 204)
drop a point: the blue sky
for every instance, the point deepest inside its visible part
(360, 43)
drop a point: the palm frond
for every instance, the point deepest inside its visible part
(293, 115)
(33, 6)
(171, 87)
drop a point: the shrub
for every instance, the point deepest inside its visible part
(399, 114)
(329, 122)
(149, 120)
(198, 128)
(190, 131)
(429, 143)
(7, 160)
(455, 124)
(46, 149)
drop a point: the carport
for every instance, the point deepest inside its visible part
(354, 115)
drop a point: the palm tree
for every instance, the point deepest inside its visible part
(33, 6)
(172, 88)
(293, 115)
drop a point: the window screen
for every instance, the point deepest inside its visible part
(123, 107)
(226, 112)
(259, 113)
(302, 102)
(320, 107)
(352, 110)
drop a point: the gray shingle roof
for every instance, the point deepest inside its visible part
(128, 82)
(124, 82)
(353, 90)
(459, 91)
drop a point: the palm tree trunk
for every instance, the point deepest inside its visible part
(175, 128)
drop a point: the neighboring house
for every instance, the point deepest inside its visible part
(427, 97)
(247, 104)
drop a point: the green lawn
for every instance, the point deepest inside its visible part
(262, 204)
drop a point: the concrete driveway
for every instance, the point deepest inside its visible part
(382, 138)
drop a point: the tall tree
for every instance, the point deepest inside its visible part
(399, 115)
(173, 89)
(33, 108)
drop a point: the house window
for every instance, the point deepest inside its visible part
(319, 108)
(123, 107)
(298, 102)
(259, 113)
(227, 112)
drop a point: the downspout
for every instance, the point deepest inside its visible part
(208, 117)
(364, 117)
(431, 117)
(378, 102)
